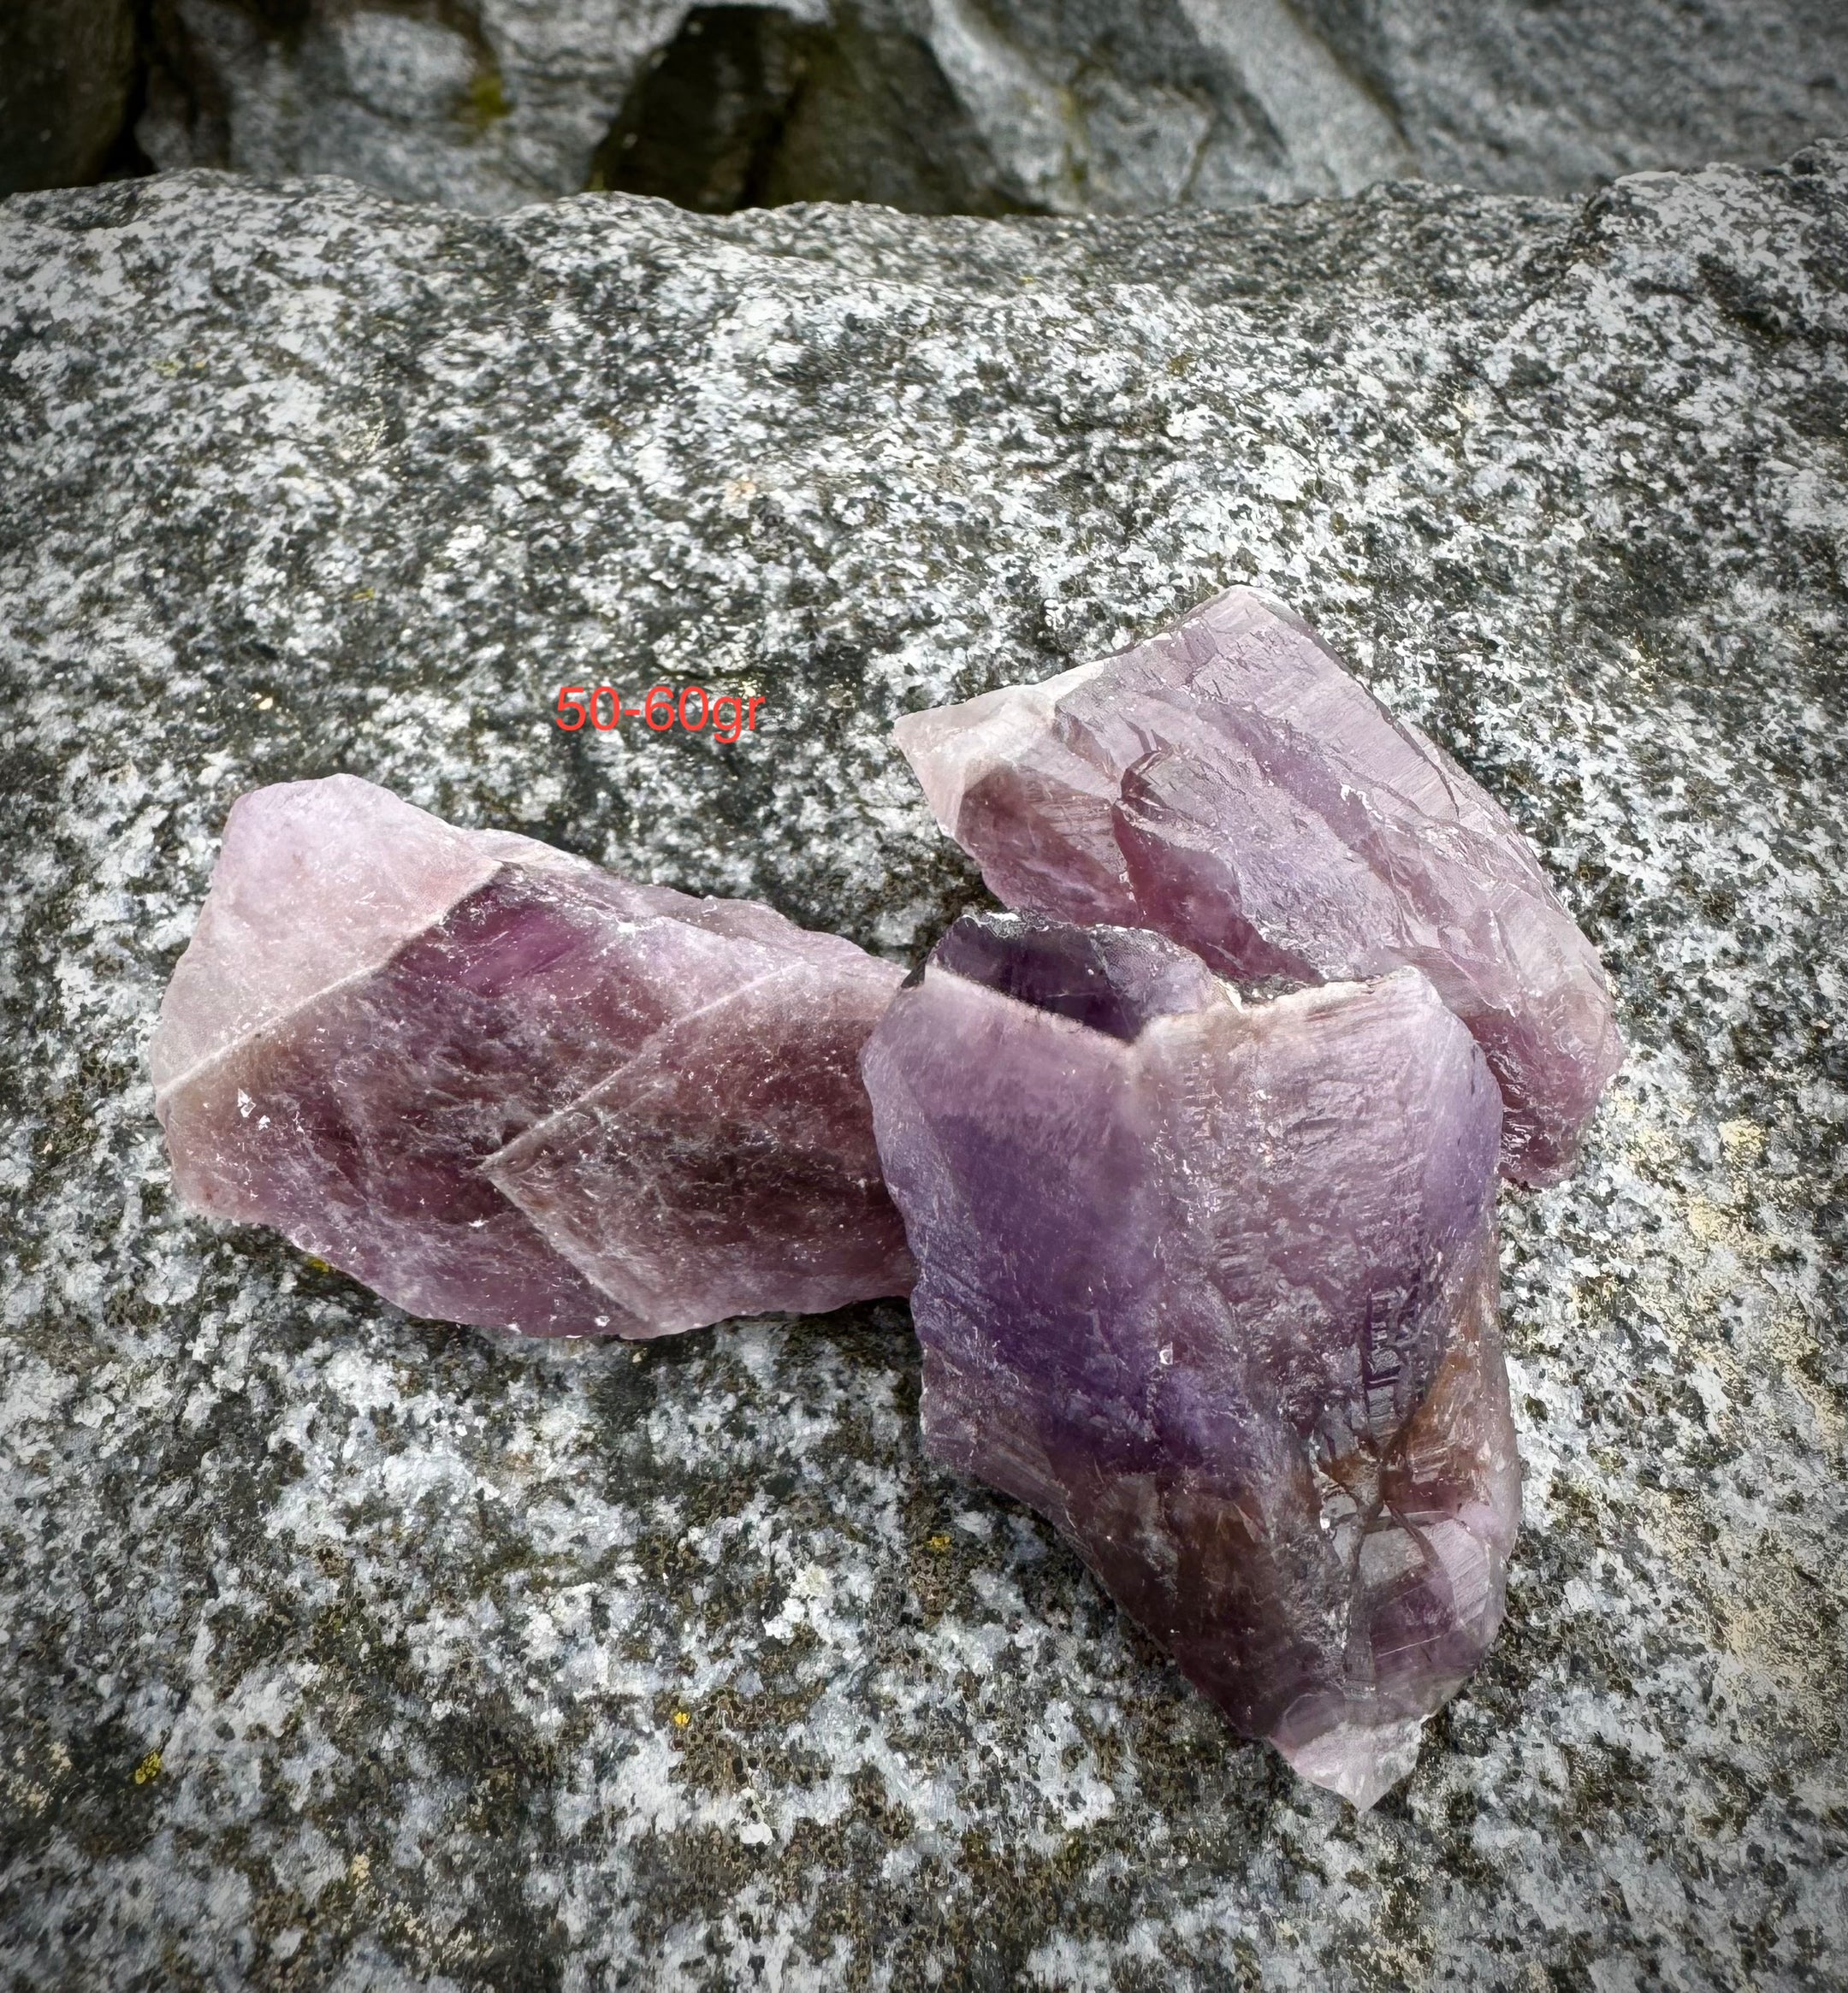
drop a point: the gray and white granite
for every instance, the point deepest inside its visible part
(347, 1651)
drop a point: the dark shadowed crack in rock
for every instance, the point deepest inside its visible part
(344, 1650)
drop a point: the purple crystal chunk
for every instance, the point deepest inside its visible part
(1211, 1285)
(501, 1085)
(1228, 784)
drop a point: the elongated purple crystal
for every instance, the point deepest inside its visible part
(1211, 1285)
(501, 1085)
(1226, 783)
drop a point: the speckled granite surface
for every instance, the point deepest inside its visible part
(347, 1651)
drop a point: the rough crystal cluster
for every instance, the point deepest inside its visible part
(1228, 784)
(1211, 1283)
(502, 1087)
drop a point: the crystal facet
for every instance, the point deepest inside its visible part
(1226, 783)
(1211, 1285)
(501, 1085)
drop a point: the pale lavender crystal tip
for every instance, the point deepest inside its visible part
(1228, 783)
(1210, 1283)
(503, 1086)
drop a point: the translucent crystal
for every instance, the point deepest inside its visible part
(501, 1085)
(1211, 1283)
(1226, 783)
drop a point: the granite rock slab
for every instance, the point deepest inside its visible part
(345, 1650)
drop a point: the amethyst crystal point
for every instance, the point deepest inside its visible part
(1228, 784)
(501, 1085)
(1211, 1285)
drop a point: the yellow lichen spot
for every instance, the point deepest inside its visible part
(1707, 1222)
(363, 595)
(939, 1542)
(148, 1768)
(319, 1266)
(487, 99)
(1713, 1225)
(681, 1719)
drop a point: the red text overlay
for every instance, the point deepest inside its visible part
(725, 715)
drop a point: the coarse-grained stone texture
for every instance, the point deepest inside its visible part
(1212, 1285)
(1226, 782)
(300, 479)
(985, 106)
(503, 1086)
